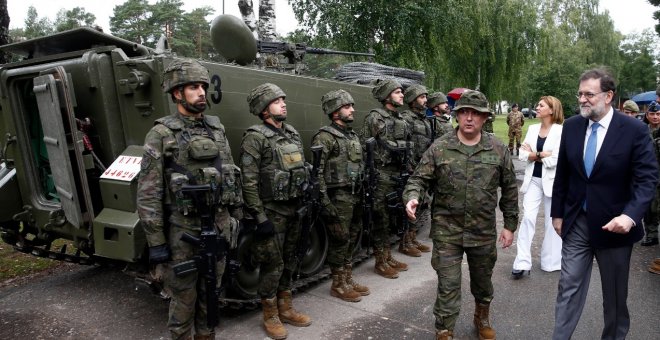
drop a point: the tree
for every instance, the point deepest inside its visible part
(73, 18)
(656, 14)
(4, 29)
(36, 27)
(193, 38)
(131, 21)
(640, 63)
(166, 16)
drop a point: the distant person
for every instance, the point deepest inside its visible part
(464, 170)
(441, 120)
(652, 217)
(515, 120)
(539, 150)
(606, 177)
(630, 108)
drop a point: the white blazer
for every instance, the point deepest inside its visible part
(549, 163)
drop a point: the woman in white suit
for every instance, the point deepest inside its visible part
(539, 149)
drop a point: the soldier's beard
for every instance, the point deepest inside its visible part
(278, 118)
(196, 108)
(417, 107)
(395, 104)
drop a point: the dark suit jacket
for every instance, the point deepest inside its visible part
(623, 179)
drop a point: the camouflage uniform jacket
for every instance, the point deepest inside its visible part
(464, 181)
(488, 125)
(421, 132)
(391, 131)
(441, 125)
(341, 160)
(515, 120)
(171, 141)
(259, 160)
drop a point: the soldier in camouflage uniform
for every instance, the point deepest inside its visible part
(340, 174)
(630, 108)
(440, 122)
(422, 137)
(391, 131)
(185, 147)
(488, 124)
(274, 172)
(515, 120)
(464, 170)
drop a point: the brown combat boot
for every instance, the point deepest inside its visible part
(406, 247)
(288, 314)
(348, 275)
(481, 321)
(272, 324)
(382, 268)
(210, 336)
(341, 289)
(444, 335)
(398, 265)
(419, 245)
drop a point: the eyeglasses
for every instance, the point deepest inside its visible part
(588, 95)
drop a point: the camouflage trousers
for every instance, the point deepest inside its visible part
(188, 292)
(515, 135)
(276, 256)
(446, 260)
(652, 218)
(382, 224)
(343, 235)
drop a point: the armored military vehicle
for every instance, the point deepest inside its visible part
(73, 116)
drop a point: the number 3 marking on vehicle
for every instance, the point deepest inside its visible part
(216, 82)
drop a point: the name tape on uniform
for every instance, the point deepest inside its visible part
(124, 168)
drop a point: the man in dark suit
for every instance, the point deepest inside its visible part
(605, 181)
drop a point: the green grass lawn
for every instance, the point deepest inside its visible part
(501, 130)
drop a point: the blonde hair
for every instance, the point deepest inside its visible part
(555, 106)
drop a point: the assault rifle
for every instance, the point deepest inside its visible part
(368, 186)
(311, 208)
(296, 52)
(211, 247)
(395, 198)
(433, 122)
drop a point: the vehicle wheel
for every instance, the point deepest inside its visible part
(314, 259)
(246, 280)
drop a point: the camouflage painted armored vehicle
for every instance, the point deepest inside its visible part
(73, 116)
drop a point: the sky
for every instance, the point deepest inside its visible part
(629, 16)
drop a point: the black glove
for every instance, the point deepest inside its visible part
(264, 230)
(159, 254)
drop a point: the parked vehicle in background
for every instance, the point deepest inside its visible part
(528, 113)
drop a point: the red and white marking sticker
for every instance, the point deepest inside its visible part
(124, 168)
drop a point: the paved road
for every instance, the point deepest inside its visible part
(103, 303)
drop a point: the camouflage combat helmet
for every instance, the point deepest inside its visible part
(261, 96)
(436, 99)
(474, 100)
(184, 71)
(334, 100)
(384, 87)
(630, 106)
(414, 91)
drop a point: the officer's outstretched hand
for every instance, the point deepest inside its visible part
(506, 238)
(159, 254)
(264, 230)
(411, 209)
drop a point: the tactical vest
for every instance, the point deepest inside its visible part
(283, 178)
(198, 155)
(421, 133)
(344, 167)
(397, 131)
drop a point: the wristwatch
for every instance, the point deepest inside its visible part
(538, 155)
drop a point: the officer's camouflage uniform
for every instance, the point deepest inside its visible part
(465, 182)
(340, 173)
(422, 135)
(391, 131)
(652, 216)
(515, 121)
(176, 147)
(274, 173)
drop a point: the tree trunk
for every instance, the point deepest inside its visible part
(267, 20)
(247, 12)
(4, 29)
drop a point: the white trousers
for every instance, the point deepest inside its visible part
(551, 247)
